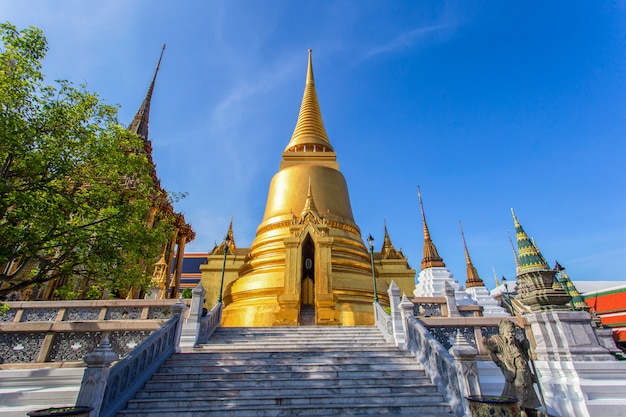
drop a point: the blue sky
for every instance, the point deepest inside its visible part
(486, 105)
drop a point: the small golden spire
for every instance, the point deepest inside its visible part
(430, 257)
(513, 249)
(230, 238)
(309, 205)
(473, 280)
(495, 276)
(309, 134)
(388, 251)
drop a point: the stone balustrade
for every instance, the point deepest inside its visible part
(63, 332)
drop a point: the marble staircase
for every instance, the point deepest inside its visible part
(291, 371)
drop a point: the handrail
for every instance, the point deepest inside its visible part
(107, 389)
(383, 322)
(208, 324)
(438, 363)
(131, 373)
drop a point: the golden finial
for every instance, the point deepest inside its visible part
(430, 256)
(473, 279)
(495, 276)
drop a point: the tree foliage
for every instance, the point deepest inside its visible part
(75, 188)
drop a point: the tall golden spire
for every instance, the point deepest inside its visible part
(309, 134)
(473, 280)
(139, 125)
(430, 258)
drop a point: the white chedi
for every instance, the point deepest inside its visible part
(431, 282)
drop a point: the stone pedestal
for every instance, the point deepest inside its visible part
(566, 335)
(578, 375)
(289, 310)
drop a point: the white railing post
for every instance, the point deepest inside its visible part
(179, 309)
(396, 315)
(464, 356)
(191, 327)
(96, 374)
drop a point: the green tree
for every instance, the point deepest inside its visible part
(76, 189)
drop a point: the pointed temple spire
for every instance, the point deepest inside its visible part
(515, 257)
(495, 276)
(388, 251)
(577, 303)
(139, 125)
(473, 280)
(228, 240)
(309, 134)
(430, 257)
(530, 259)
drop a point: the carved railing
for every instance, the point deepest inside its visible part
(107, 390)
(208, 324)
(51, 332)
(383, 322)
(129, 374)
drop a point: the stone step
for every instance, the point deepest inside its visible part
(278, 344)
(244, 383)
(354, 410)
(252, 375)
(219, 392)
(285, 400)
(294, 368)
(278, 360)
(295, 354)
(278, 371)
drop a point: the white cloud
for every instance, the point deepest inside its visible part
(405, 40)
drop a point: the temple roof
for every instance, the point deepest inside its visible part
(388, 251)
(473, 279)
(229, 240)
(430, 257)
(530, 259)
(309, 128)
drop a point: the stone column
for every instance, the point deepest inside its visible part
(93, 385)
(190, 327)
(179, 309)
(448, 292)
(464, 356)
(406, 309)
(396, 316)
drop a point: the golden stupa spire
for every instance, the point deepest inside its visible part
(430, 258)
(309, 134)
(473, 280)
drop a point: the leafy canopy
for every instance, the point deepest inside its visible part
(76, 192)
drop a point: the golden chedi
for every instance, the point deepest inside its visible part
(307, 263)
